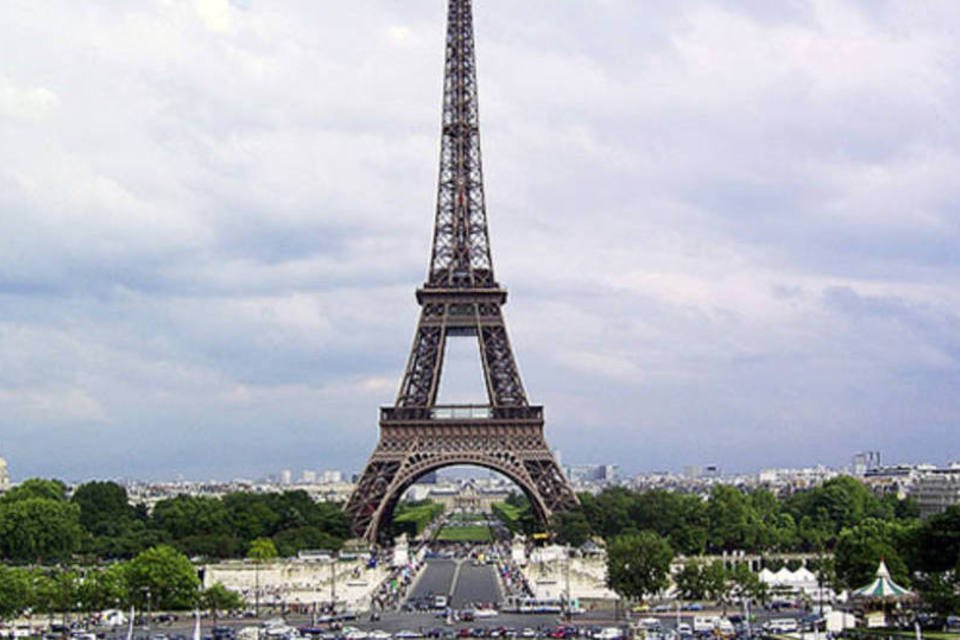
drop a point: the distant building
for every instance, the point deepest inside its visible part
(308, 477)
(286, 476)
(4, 476)
(712, 471)
(693, 472)
(936, 490)
(602, 473)
(863, 462)
(467, 495)
(331, 477)
(898, 480)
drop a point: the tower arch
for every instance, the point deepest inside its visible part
(380, 524)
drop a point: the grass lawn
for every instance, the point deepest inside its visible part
(466, 517)
(469, 533)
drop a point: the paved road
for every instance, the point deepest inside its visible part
(436, 579)
(467, 584)
(475, 585)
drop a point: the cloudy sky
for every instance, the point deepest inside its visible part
(730, 230)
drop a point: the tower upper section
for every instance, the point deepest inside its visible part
(461, 243)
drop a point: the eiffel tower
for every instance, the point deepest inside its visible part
(461, 297)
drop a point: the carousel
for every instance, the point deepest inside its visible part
(882, 597)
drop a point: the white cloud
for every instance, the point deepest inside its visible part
(26, 103)
(62, 407)
(215, 14)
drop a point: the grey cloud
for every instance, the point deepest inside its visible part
(729, 231)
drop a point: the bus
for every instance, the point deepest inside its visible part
(534, 605)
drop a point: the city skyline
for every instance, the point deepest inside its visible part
(213, 214)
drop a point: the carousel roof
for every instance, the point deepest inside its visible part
(882, 586)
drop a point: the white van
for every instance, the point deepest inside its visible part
(113, 618)
(782, 625)
(703, 623)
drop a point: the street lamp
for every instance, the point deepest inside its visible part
(146, 621)
(256, 588)
(566, 600)
(333, 583)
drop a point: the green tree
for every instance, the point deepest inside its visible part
(939, 593)
(638, 564)
(38, 529)
(689, 582)
(185, 516)
(291, 541)
(734, 523)
(525, 521)
(42, 594)
(262, 549)
(104, 588)
(14, 591)
(860, 549)
(162, 577)
(716, 581)
(36, 488)
(217, 598)
(251, 515)
(65, 585)
(746, 583)
(104, 508)
(570, 527)
(937, 541)
(837, 504)
(116, 528)
(609, 513)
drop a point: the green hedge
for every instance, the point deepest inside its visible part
(413, 518)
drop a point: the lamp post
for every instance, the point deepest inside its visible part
(566, 577)
(333, 583)
(256, 588)
(146, 621)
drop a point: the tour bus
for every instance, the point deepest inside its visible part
(534, 605)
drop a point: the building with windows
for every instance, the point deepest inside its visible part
(936, 490)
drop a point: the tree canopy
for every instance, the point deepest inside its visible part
(638, 564)
(39, 524)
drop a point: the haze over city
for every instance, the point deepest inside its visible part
(729, 233)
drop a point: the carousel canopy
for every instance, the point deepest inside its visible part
(882, 586)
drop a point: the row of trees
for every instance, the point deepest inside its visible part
(731, 519)
(158, 578)
(645, 530)
(39, 523)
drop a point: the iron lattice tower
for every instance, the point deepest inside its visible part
(461, 297)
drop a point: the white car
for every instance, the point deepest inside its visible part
(724, 626)
(649, 623)
(782, 625)
(609, 633)
(485, 613)
(684, 629)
